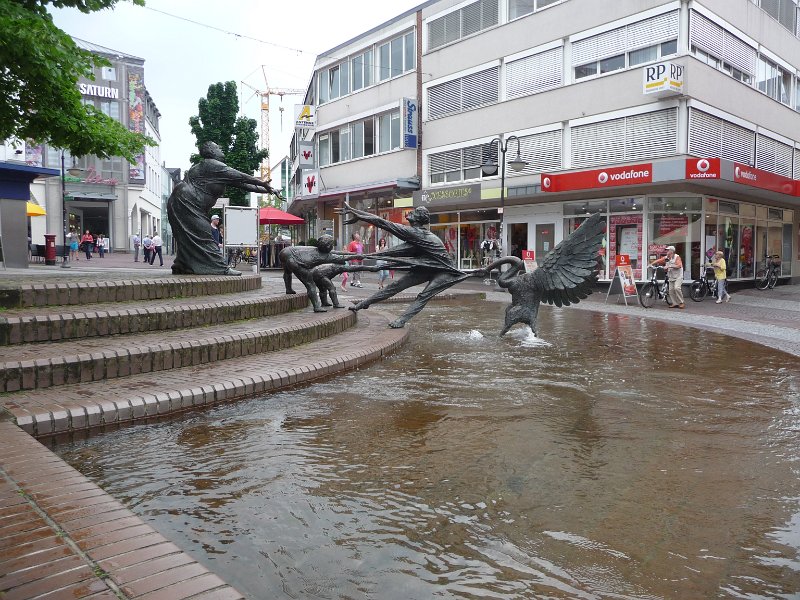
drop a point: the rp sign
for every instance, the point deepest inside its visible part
(663, 79)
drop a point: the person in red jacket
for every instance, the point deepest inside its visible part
(356, 247)
(88, 244)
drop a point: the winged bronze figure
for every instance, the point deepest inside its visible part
(565, 277)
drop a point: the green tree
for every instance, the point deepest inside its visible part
(237, 137)
(39, 70)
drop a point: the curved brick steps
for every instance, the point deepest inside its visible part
(49, 324)
(99, 404)
(79, 293)
(32, 366)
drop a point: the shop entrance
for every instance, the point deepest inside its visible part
(545, 240)
(519, 238)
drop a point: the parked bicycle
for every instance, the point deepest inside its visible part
(657, 287)
(238, 255)
(704, 286)
(767, 277)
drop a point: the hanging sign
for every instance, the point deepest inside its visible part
(305, 154)
(310, 183)
(304, 116)
(409, 122)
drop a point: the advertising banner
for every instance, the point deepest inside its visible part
(409, 115)
(762, 179)
(310, 183)
(304, 116)
(529, 258)
(305, 155)
(598, 178)
(136, 93)
(623, 284)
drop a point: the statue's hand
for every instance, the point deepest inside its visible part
(344, 210)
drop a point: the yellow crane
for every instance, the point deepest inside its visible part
(264, 132)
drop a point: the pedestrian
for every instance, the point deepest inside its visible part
(215, 233)
(137, 242)
(356, 247)
(674, 265)
(147, 246)
(73, 242)
(156, 249)
(721, 275)
(87, 241)
(383, 274)
(101, 245)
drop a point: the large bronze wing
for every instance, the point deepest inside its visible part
(570, 269)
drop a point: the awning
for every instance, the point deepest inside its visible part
(90, 196)
(269, 215)
(34, 210)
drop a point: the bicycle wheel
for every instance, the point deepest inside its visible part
(647, 295)
(698, 290)
(773, 279)
(762, 279)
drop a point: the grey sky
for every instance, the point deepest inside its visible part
(182, 59)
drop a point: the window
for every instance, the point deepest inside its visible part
(626, 46)
(520, 8)
(773, 81)
(720, 49)
(534, 73)
(396, 56)
(110, 108)
(464, 93)
(389, 131)
(363, 138)
(461, 23)
(462, 164)
(361, 69)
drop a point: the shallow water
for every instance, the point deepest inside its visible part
(614, 458)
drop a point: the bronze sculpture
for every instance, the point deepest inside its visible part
(421, 251)
(187, 209)
(565, 277)
(301, 261)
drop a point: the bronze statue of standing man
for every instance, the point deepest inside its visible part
(187, 209)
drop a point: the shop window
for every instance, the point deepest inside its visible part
(680, 229)
(584, 208)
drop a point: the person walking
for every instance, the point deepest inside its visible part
(215, 231)
(87, 241)
(356, 247)
(721, 275)
(72, 240)
(674, 266)
(101, 245)
(147, 246)
(383, 274)
(137, 243)
(156, 249)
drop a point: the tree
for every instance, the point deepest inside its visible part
(216, 121)
(39, 97)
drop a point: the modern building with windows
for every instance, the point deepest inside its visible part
(108, 196)
(679, 120)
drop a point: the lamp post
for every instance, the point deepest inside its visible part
(64, 264)
(490, 168)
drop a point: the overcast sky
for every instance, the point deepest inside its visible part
(183, 58)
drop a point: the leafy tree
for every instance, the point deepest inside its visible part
(216, 121)
(39, 97)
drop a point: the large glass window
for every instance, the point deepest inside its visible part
(675, 221)
(396, 56)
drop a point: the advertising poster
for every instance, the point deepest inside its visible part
(529, 258)
(136, 116)
(623, 284)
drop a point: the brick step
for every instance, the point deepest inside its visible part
(79, 293)
(33, 366)
(100, 404)
(50, 324)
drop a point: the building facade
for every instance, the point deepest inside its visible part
(108, 196)
(679, 120)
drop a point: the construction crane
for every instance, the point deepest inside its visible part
(264, 133)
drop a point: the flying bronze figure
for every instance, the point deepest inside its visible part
(566, 276)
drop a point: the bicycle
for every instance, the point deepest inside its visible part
(767, 277)
(702, 287)
(657, 287)
(241, 254)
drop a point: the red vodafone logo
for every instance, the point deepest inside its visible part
(602, 177)
(702, 168)
(546, 183)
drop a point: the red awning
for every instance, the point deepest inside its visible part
(269, 215)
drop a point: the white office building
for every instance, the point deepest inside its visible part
(108, 196)
(677, 119)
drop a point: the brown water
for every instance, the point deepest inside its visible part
(624, 459)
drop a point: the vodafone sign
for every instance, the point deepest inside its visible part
(598, 178)
(762, 179)
(703, 168)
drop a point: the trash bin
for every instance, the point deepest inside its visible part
(49, 249)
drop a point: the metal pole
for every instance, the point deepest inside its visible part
(503, 149)
(64, 264)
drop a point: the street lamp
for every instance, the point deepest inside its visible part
(490, 168)
(75, 172)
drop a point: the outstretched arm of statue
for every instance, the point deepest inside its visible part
(399, 231)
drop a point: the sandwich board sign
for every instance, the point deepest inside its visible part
(623, 284)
